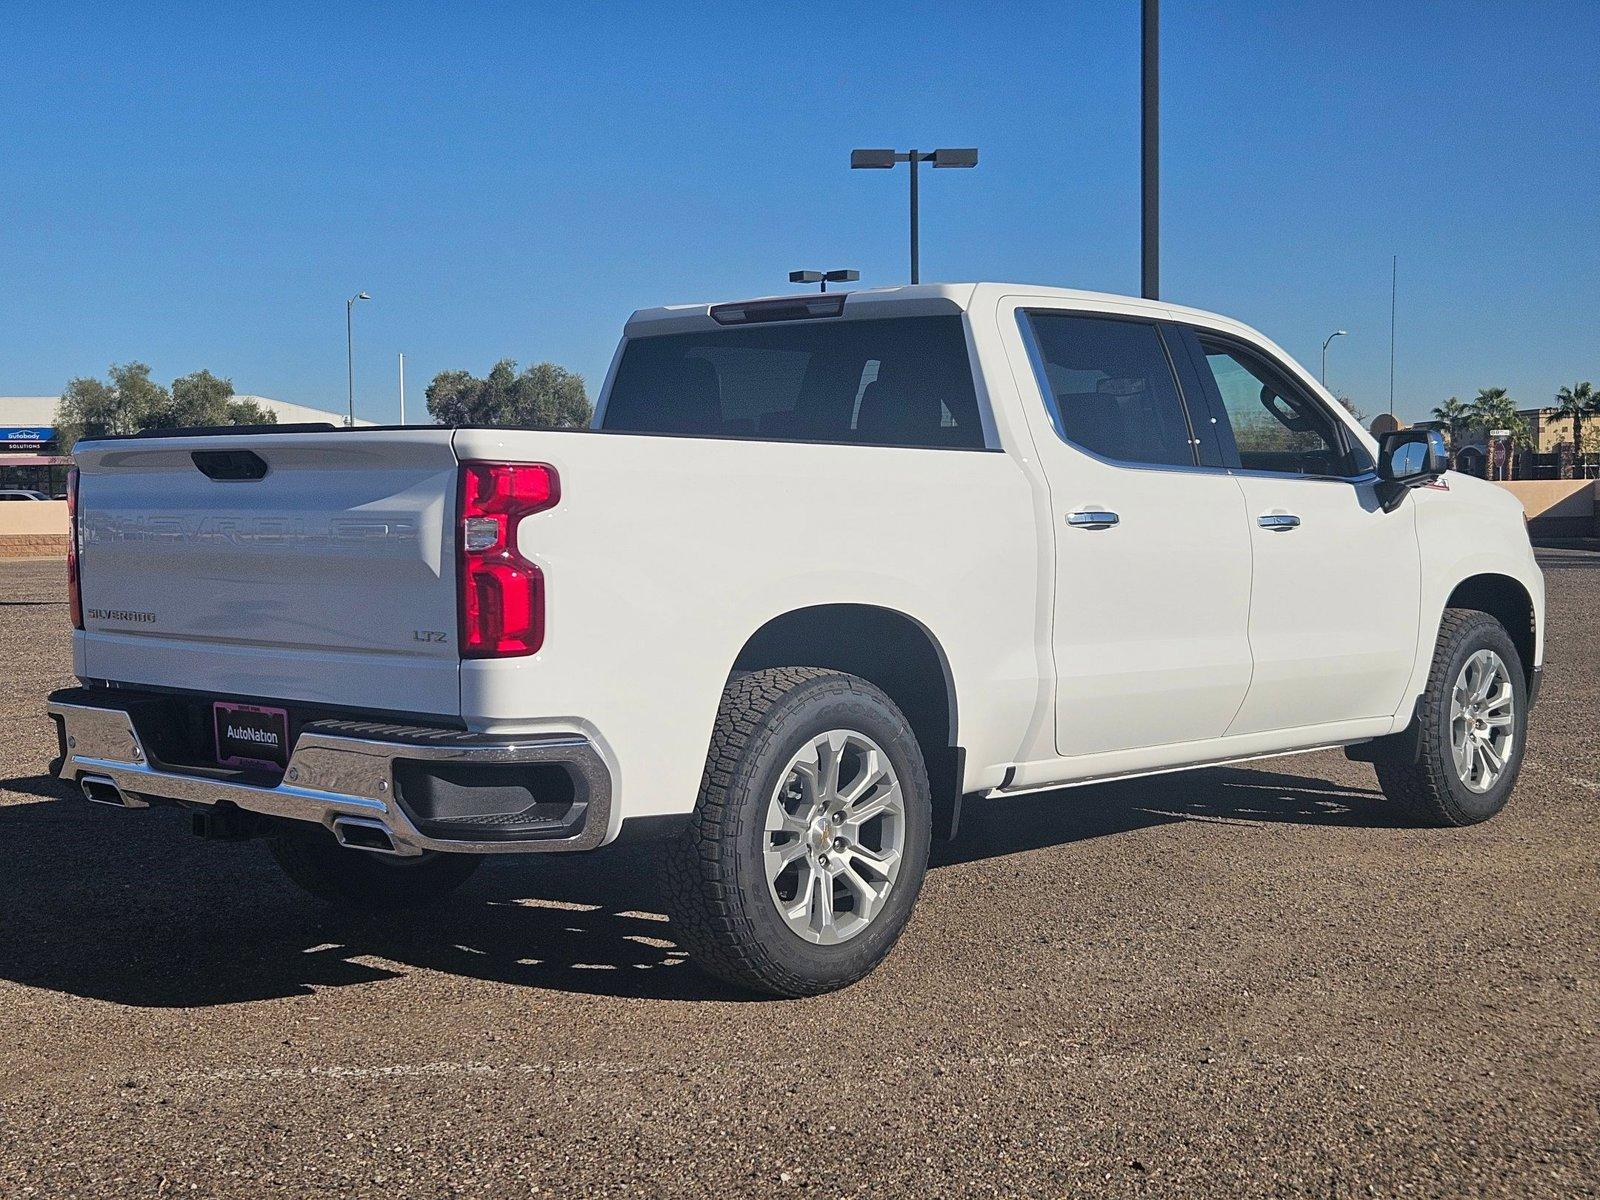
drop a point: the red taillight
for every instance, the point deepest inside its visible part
(74, 578)
(501, 593)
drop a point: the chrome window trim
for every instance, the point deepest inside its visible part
(1354, 480)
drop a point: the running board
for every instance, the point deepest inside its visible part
(1085, 781)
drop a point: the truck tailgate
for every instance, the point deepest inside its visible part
(328, 579)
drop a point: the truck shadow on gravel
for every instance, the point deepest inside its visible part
(127, 907)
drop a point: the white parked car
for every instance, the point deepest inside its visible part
(827, 569)
(21, 494)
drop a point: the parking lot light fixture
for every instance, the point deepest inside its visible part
(824, 278)
(883, 160)
(1323, 378)
(350, 354)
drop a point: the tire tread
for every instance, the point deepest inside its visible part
(1420, 789)
(708, 909)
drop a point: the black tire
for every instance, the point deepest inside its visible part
(360, 879)
(1425, 786)
(723, 913)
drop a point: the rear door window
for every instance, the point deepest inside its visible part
(1109, 388)
(897, 381)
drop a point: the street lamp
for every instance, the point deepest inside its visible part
(824, 277)
(883, 160)
(1323, 378)
(350, 352)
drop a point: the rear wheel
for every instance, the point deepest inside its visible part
(1472, 721)
(810, 837)
(360, 879)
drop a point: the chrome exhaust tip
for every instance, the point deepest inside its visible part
(358, 833)
(99, 789)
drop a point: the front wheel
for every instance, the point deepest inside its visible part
(1472, 723)
(810, 837)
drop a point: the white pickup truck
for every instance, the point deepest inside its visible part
(824, 568)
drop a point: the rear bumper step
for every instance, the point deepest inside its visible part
(349, 777)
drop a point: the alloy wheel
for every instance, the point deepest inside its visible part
(834, 836)
(1482, 720)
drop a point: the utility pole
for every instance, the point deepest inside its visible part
(402, 388)
(915, 222)
(1150, 151)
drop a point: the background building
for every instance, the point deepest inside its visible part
(30, 457)
(1548, 429)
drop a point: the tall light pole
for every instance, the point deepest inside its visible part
(402, 388)
(1150, 152)
(883, 160)
(1323, 378)
(350, 353)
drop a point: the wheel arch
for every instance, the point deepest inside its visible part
(1503, 597)
(1508, 601)
(895, 652)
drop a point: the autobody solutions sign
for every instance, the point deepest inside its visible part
(26, 437)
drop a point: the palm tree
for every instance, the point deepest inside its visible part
(1490, 402)
(1493, 408)
(1453, 415)
(1576, 402)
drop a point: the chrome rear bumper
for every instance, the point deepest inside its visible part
(341, 775)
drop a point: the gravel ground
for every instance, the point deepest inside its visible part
(1232, 982)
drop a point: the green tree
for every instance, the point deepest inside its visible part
(1577, 402)
(201, 400)
(544, 396)
(1492, 409)
(128, 400)
(1454, 416)
(120, 404)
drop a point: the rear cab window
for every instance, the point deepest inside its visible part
(882, 381)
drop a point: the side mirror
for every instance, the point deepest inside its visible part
(1409, 458)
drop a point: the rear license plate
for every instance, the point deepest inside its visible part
(251, 736)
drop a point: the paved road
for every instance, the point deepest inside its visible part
(1231, 982)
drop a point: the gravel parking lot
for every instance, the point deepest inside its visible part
(1229, 982)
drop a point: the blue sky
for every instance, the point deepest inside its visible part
(204, 185)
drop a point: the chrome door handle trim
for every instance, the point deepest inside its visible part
(1092, 518)
(1278, 522)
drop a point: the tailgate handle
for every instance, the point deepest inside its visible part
(230, 464)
